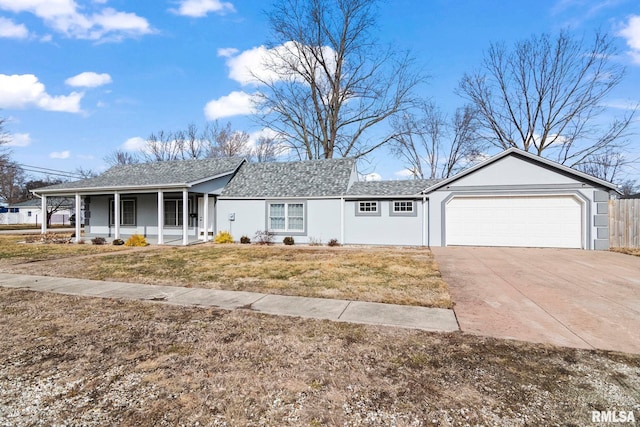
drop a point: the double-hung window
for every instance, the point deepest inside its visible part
(127, 212)
(286, 216)
(173, 213)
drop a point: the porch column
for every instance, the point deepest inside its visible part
(43, 209)
(78, 218)
(205, 202)
(160, 217)
(425, 223)
(185, 217)
(342, 221)
(116, 214)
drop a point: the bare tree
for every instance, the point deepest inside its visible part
(433, 146)
(163, 147)
(545, 95)
(629, 187)
(121, 157)
(12, 179)
(329, 81)
(223, 141)
(85, 173)
(267, 149)
(194, 145)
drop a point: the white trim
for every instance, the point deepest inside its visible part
(78, 218)
(185, 217)
(160, 217)
(205, 216)
(116, 214)
(43, 209)
(342, 220)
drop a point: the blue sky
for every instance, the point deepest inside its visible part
(82, 78)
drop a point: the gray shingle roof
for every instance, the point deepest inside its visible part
(155, 174)
(311, 178)
(390, 188)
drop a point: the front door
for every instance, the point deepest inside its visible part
(211, 219)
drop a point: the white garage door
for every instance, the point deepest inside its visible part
(549, 221)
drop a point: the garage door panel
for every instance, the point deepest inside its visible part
(550, 221)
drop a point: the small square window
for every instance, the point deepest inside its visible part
(403, 207)
(368, 207)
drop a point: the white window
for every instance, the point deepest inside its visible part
(403, 207)
(367, 207)
(284, 216)
(127, 212)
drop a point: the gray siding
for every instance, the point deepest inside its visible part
(146, 216)
(383, 229)
(525, 178)
(322, 219)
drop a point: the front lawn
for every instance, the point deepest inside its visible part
(88, 361)
(15, 250)
(379, 274)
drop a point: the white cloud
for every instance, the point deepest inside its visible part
(631, 32)
(371, 177)
(257, 65)
(60, 154)
(200, 8)
(282, 149)
(23, 91)
(63, 17)
(10, 30)
(404, 173)
(19, 140)
(88, 79)
(134, 144)
(227, 52)
(234, 104)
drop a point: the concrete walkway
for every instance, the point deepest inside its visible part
(428, 319)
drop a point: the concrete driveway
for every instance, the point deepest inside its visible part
(574, 298)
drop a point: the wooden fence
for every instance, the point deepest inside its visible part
(624, 223)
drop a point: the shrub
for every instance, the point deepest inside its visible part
(264, 237)
(223, 237)
(333, 242)
(98, 241)
(118, 242)
(313, 241)
(81, 242)
(245, 240)
(136, 240)
(288, 241)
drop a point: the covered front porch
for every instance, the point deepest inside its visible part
(167, 202)
(160, 216)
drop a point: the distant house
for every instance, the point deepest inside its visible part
(512, 199)
(30, 212)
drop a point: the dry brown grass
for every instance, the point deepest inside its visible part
(15, 250)
(628, 251)
(390, 275)
(83, 361)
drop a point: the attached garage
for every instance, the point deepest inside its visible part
(528, 221)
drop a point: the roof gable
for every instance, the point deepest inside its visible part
(518, 167)
(310, 178)
(157, 174)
